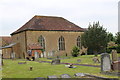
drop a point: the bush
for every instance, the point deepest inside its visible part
(108, 50)
(118, 49)
(75, 51)
(112, 47)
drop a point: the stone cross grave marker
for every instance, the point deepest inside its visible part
(114, 56)
(105, 62)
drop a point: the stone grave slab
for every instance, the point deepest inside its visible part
(53, 77)
(79, 74)
(65, 76)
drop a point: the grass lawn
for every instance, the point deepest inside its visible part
(85, 59)
(12, 69)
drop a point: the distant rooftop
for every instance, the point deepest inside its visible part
(49, 23)
(6, 39)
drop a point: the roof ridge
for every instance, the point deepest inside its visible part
(48, 16)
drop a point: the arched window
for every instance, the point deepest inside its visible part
(61, 43)
(42, 41)
(78, 42)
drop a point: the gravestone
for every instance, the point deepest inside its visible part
(78, 60)
(105, 62)
(114, 55)
(22, 62)
(55, 61)
(13, 55)
(79, 75)
(30, 68)
(116, 66)
(52, 77)
(96, 60)
(36, 55)
(65, 76)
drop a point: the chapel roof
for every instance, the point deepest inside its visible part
(49, 23)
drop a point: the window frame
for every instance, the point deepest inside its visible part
(61, 43)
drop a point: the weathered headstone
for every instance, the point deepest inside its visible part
(22, 62)
(116, 66)
(55, 61)
(31, 68)
(52, 77)
(105, 62)
(79, 75)
(36, 55)
(65, 76)
(96, 60)
(78, 60)
(114, 55)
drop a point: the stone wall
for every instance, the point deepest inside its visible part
(51, 40)
(20, 39)
(7, 53)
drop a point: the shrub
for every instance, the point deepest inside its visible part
(118, 49)
(75, 51)
(112, 47)
(108, 50)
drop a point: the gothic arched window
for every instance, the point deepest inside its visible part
(61, 43)
(78, 42)
(42, 41)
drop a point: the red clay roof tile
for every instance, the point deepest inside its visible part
(49, 23)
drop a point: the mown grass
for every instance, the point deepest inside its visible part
(118, 54)
(12, 69)
(85, 59)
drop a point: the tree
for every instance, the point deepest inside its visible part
(75, 51)
(118, 41)
(110, 37)
(118, 38)
(95, 38)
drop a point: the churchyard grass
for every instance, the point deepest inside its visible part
(84, 59)
(12, 69)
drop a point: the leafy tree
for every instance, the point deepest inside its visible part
(118, 38)
(110, 37)
(95, 38)
(75, 51)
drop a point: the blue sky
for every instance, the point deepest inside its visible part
(15, 13)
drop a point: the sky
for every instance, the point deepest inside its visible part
(15, 13)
